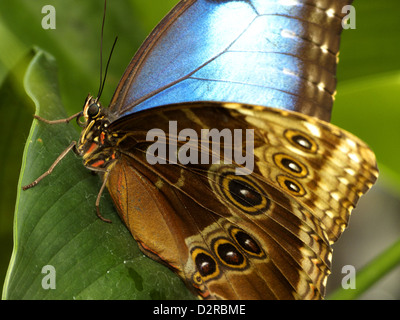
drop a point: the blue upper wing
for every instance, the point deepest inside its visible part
(277, 53)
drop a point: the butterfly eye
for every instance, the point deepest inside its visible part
(93, 110)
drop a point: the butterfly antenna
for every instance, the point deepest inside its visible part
(105, 74)
(101, 51)
(103, 81)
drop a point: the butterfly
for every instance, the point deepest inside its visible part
(232, 229)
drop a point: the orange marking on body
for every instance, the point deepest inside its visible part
(102, 137)
(92, 148)
(97, 163)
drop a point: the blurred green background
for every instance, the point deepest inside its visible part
(367, 103)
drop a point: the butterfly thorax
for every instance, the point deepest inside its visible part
(96, 144)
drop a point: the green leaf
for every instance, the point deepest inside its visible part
(76, 45)
(55, 222)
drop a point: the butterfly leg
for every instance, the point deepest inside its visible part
(50, 170)
(66, 120)
(106, 174)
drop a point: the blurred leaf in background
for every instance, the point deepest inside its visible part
(366, 105)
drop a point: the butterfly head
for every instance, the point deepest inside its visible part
(92, 110)
(94, 120)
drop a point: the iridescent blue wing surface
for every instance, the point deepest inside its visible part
(277, 53)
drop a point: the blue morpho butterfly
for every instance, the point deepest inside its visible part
(266, 67)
